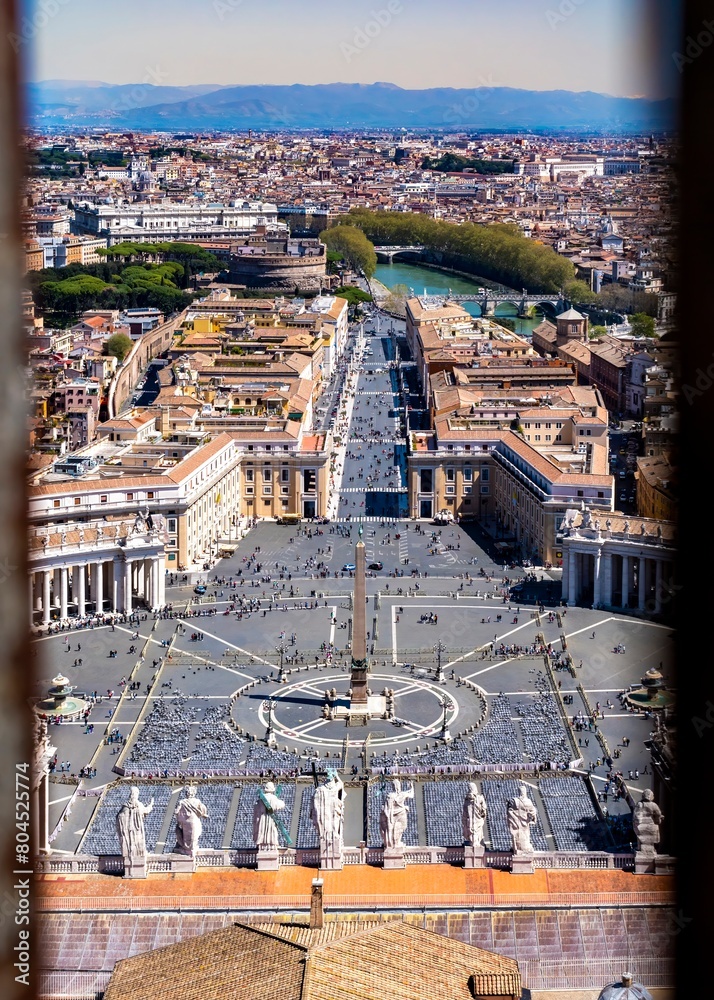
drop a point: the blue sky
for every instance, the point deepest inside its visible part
(601, 45)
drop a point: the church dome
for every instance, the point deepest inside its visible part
(626, 989)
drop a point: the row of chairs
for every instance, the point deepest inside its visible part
(163, 740)
(215, 745)
(543, 732)
(497, 741)
(443, 811)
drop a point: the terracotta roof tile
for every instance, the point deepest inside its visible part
(235, 962)
(350, 960)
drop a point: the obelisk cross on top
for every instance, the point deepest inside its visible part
(360, 664)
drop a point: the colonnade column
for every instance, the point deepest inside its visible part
(161, 579)
(128, 570)
(79, 591)
(45, 597)
(154, 583)
(597, 561)
(64, 587)
(117, 600)
(625, 580)
(564, 589)
(641, 582)
(31, 584)
(572, 577)
(606, 597)
(98, 586)
(658, 586)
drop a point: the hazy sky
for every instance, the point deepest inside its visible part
(601, 45)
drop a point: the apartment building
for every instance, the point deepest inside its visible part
(142, 222)
(201, 485)
(518, 462)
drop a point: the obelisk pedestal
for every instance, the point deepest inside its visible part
(359, 668)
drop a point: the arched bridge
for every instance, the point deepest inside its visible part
(487, 300)
(391, 252)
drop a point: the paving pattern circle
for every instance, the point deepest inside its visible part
(297, 711)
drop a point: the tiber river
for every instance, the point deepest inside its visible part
(434, 282)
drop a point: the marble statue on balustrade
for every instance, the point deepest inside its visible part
(646, 821)
(265, 829)
(130, 828)
(521, 814)
(139, 524)
(157, 522)
(327, 813)
(395, 815)
(189, 815)
(474, 815)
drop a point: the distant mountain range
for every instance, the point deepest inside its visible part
(149, 107)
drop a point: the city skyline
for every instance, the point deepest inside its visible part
(629, 47)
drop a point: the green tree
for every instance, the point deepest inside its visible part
(333, 260)
(118, 345)
(642, 325)
(353, 294)
(596, 331)
(354, 247)
(453, 163)
(396, 301)
(497, 252)
(579, 293)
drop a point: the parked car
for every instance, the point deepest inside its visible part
(376, 565)
(199, 589)
(348, 568)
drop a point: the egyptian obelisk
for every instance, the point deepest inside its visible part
(360, 665)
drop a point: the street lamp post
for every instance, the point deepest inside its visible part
(269, 707)
(447, 704)
(281, 650)
(439, 648)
